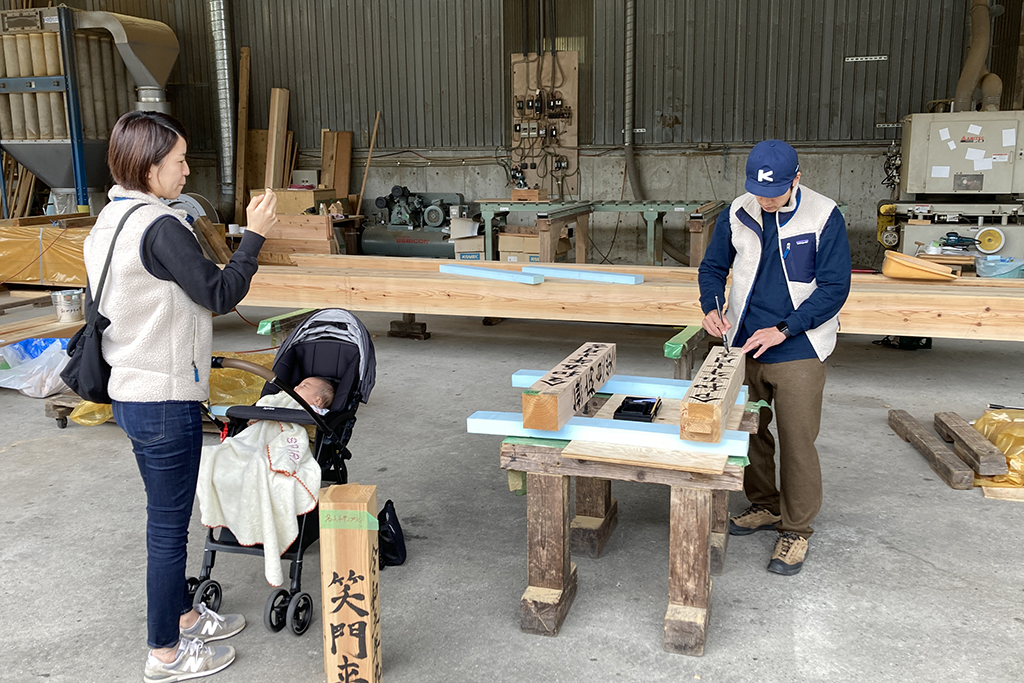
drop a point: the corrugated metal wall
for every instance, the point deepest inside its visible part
(709, 71)
(719, 71)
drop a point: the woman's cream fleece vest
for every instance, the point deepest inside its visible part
(158, 344)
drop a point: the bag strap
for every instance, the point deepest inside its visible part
(106, 264)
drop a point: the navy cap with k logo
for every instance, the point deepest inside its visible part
(771, 168)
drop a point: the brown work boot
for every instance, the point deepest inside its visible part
(754, 518)
(790, 551)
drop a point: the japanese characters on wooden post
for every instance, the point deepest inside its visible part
(349, 572)
(709, 399)
(553, 399)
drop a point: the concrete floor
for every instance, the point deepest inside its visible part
(907, 580)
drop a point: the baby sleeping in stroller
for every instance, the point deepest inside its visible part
(257, 482)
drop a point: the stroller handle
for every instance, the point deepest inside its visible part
(221, 362)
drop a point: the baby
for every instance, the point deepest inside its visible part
(317, 392)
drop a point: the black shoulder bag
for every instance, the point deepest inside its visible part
(87, 373)
(390, 537)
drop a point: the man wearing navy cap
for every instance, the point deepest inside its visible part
(790, 261)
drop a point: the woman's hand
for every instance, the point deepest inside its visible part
(262, 213)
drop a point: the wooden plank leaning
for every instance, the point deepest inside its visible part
(973, 448)
(943, 462)
(710, 397)
(551, 401)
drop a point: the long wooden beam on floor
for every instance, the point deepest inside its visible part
(668, 296)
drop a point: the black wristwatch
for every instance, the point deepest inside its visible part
(784, 329)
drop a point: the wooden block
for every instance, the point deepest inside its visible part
(278, 138)
(349, 566)
(274, 246)
(266, 258)
(1003, 493)
(718, 543)
(255, 160)
(336, 161)
(529, 195)
(689, 582)
(214, 238)
(918, 221)
(551, 576)
(711, 395)
(596, 516)
(242, 130)
(542, 610)
(551, 401)
(968, 443)
(302, 227)
(647, 457)
(943, 462)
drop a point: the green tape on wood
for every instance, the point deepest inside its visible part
(359, 520)
(266, 326)
(531, 392)
(738, 460)
(752, 407)
(674, 346)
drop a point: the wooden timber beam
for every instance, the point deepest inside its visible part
(552, 400)
(710, 398)
(666, 297)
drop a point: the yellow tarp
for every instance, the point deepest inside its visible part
(42, 255)
(227, 387)
(1004, 428)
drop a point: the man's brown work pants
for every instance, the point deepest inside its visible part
(794, 389)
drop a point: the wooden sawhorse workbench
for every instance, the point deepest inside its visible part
(697, 541)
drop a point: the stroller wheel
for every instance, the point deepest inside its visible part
(208, 593)
(275, 613)
(193, 585)
(300, 613)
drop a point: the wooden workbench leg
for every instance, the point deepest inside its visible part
(582, 237)
(597, 513)
(719, 540)
(548, 238)
(551, 575)
(689, 579)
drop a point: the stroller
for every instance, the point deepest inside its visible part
(332, 344)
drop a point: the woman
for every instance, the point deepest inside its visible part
(158, 296)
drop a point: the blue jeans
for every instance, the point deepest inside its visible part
(167, 439)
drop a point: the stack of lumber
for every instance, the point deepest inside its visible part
(966, 308)
(41, 327)
(310, 234)
(972, 453)
(21, 187)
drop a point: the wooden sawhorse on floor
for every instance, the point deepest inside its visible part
(697, 541)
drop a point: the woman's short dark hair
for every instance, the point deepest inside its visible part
(140, 140)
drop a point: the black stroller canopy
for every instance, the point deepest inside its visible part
(332, 344)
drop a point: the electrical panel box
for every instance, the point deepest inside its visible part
(544, 128)
(963, 153)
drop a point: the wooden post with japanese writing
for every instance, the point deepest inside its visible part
(553, 399)
(708, 400)
(349, 573)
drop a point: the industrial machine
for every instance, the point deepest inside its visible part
(67, 76)
(413, 224)
(960, 173)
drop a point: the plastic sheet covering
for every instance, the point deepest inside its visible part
(61, 263)
(38, 376)
(227, 387)
(1004, 428)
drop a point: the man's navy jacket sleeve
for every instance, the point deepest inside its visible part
(714, 267)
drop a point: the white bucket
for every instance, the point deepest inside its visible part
(68, 304)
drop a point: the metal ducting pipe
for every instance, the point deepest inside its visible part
(224, 88)
(991, 92)
(632, 172)
(974, 66)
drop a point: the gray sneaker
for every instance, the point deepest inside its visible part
(195, 659)
(212, 626)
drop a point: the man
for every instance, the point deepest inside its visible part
(790, 261)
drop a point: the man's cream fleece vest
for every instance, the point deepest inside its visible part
(159, 340)
(814, 213)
